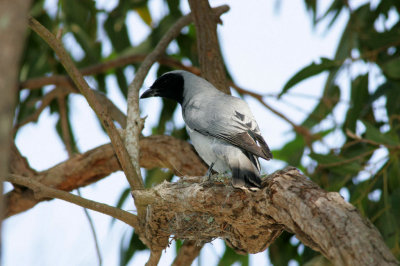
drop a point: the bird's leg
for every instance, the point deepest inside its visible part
(209, 171)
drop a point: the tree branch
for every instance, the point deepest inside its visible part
(134, 180)
(250, 221)
(189, 251)
(12, 35)
(154, 258)
(63, 80)
(42, 191)
(210, 59)
(89, 167)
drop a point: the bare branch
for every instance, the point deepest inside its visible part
(44, 102)
(133, 178)
(250, 221)
(89, 167)
(42, 191)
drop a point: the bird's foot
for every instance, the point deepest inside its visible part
(209, 171)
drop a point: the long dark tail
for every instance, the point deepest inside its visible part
(244, 177)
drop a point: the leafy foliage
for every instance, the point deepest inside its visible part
(355, 164)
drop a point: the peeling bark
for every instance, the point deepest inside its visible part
(89, 167)
(250, 221)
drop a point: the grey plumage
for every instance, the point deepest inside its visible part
(221, 127)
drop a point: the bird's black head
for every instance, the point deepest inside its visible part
(169, 85)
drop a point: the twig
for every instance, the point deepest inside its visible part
(63, 80)
(349, 160)
(133, 178)
(42, 191)
(45, 101)
(93, 230)
(374, 143)
(64, 125)
(154, 258)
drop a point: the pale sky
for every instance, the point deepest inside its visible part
(263, 48)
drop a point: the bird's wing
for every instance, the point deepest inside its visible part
(230, 120)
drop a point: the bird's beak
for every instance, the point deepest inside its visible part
(149, 93)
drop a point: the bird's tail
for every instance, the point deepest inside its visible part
(245, 174)
(245, 178)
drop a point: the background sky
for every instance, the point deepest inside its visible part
(263, 42)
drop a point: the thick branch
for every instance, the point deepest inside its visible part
(210, 59)
(42, 191)
(105, 119)
(89, 167)
(250, 221)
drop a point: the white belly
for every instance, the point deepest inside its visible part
(212, 150)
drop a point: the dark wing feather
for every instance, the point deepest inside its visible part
(226, 123)
(248, 140)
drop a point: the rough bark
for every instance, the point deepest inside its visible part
(89, 167)
(250, 221)
(210, 59)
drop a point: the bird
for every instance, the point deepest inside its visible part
(221, 127)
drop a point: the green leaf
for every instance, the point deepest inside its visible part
(359, 102)
(292, 152)
(312, 7)
(342, 166)
(374, 134)
(392, 68)
(328, 101)
(116, 28)
(122, 82)
(309, 71)
(282, 251)
(145, 15)
(332, 12)
(156, 176)
(394, 173)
